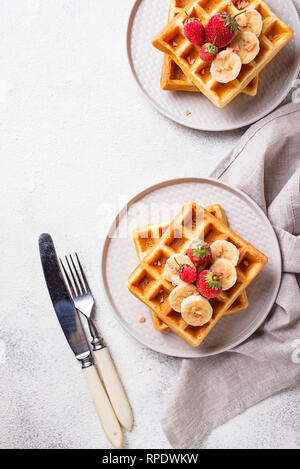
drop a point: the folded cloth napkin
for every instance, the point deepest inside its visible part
(266, 165)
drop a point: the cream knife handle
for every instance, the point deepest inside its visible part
(114, 387)
(104, 409)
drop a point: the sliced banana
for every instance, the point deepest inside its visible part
(227, 271)
(196, 310)
(171, 272)
(246, 45)
(251, 21)
(222, 249)
(226, 69)
(181, 292)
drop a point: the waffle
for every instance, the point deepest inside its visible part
(145, 238)
(173, 78)
(148, 284)
(172, 41)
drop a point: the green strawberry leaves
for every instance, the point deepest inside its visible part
(213, 281)
(230, 20)
(201, 251)
(211, 49)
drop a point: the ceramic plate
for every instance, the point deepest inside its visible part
(148, 17)
(160, 203)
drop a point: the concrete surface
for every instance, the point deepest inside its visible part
(75, 132)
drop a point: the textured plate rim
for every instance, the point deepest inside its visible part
(170, 182)
(185, 123)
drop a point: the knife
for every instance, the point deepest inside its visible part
(75, 335)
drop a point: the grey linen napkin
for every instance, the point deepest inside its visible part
(266, 165)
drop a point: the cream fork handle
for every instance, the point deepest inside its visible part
(103, 406)
(114, 387)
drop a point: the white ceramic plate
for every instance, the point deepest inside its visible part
(148, 17)
(158, 204)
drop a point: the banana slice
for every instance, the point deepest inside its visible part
(222, 249)
(196, 310)
(227, 271)
(181, 292)
(246, 45)
(226, 69)
(251, 21)
(171, 272)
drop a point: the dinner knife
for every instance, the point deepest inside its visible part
(72, 328)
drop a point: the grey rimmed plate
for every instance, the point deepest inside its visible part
(148, 17)
(160, 203)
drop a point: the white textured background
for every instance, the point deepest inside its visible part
(75, 133)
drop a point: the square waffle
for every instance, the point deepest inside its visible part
(275, 35)
(148, 284)
(146, 237)
(172, 77)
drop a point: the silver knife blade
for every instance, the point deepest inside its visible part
(63, 306)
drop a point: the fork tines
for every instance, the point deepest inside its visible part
(79, 284)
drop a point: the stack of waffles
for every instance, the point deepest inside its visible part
(184, 70)
(156, 243)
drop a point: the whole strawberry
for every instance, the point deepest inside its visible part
(187, 273)
(194, 30)
(199, 252)
(208, 52)
(222, 28)
(209, 284)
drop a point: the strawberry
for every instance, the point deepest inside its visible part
(209, 284)
(222, 28)
(194, 30)
(199, 252)
(187, 273)
(208, 52)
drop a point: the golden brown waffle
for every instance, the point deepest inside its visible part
(172, 41)
(146, 237)
(172, 77)
(148, 284)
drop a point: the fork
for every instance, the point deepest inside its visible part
(84, 303)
